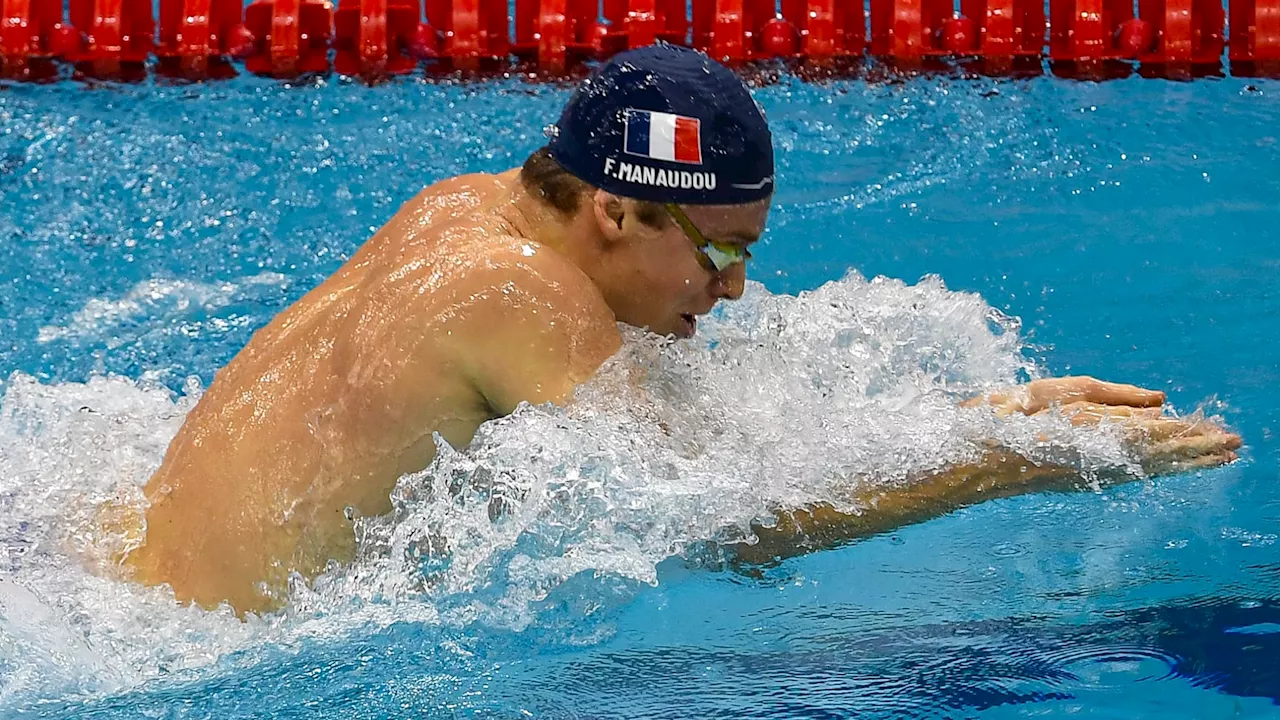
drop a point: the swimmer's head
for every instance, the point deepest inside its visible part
(672, 158)
(667, 124)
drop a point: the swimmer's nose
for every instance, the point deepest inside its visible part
(729, 284)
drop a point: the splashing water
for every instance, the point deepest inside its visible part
(785, 400)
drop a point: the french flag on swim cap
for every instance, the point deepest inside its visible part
(663, 136)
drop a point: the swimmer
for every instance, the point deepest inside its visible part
(486, 291)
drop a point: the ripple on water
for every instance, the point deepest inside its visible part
(1114, 666)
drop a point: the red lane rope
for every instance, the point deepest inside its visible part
(1088, 38)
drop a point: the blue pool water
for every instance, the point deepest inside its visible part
(1126, 230)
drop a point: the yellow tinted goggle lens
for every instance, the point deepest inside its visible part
(718, 256)
(723, 258)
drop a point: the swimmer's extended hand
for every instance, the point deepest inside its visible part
(1164, 443)
(1040, 395)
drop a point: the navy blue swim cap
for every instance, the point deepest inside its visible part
(667, 124)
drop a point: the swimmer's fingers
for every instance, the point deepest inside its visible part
(1153, 429)
(1041, 394)
(1090, 413)
(1155, 465)
(1195, 445)
(1168, 464)
(1166, 429)
(1164, 444)
(1173, 445)
(995, 399)
(1147, 427)
(1226, 457)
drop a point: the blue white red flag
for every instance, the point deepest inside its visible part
(663, 136)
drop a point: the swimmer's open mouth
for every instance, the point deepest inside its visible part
(691, 323)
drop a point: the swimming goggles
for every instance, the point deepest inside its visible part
(714, 256)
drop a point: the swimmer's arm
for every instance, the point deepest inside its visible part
(997, 474)
(1161, 443)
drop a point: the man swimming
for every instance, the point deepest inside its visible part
(486, 291)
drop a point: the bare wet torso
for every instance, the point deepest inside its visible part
(335, 399)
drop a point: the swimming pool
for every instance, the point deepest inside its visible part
(1124, 229)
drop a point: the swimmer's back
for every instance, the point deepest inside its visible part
(335, 399)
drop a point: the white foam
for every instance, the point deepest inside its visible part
(784, 400)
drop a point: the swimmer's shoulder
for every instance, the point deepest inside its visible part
(533, 324)
(435, 207)
(522, 269)
(479, 183)
(469, 191)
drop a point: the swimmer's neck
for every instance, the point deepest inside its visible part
(576, 237)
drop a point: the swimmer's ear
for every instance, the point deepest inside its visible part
(609, 213)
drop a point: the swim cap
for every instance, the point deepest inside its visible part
(665, 123)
